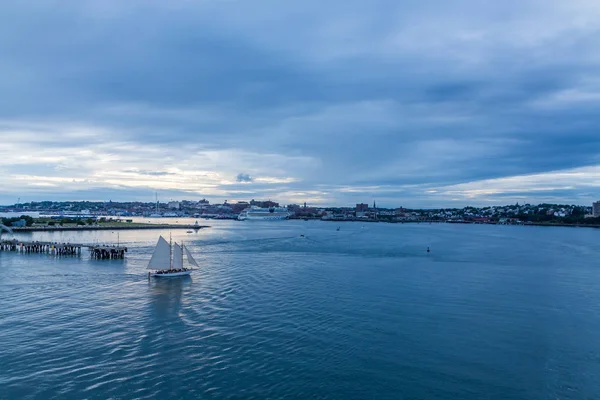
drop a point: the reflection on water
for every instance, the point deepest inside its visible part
(166, 295)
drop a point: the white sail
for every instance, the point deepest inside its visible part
(177, 257)
(190, 257)
(161, 258)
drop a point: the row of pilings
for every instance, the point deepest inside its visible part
(98, 252)
(107, 252)
(61, 249)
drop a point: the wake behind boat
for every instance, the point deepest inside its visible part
(167, 260)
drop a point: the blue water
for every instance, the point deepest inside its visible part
(493, 312)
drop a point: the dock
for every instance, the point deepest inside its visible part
(60, 249)
(107, 252)
(99, 252)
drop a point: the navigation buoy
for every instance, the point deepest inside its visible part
(428, 249)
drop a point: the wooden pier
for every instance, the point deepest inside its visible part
(60, 249)
(99, 252)
(107, 252)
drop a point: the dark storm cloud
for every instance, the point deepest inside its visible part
(398, 97)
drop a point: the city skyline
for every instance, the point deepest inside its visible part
(25, 205)
(461, 104)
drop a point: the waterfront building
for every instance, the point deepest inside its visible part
(596, 209)
(293, 207)
(174, 205)
(264, 204)
(362, 207)
(237, 208)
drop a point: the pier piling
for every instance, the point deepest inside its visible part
(107, 252)
(100, 252)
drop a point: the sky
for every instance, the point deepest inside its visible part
(330, 102)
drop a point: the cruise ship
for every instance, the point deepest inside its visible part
(264, 214)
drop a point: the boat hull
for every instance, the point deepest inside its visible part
(170, 274)
(263, 217)
(264, 214)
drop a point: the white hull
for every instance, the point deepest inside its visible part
(262, 217)
(170, 274)
(264, 214)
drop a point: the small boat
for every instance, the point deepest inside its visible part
(167, 260)
(190, 231)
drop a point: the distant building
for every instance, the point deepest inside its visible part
(362, 207)
(174, 205)
(596, 209)
(19, 224)
(264, 204)
(239, 207)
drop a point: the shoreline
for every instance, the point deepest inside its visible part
(105, 228)
(139, 226)
(456, 222)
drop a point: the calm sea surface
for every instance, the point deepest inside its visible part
(493, 312)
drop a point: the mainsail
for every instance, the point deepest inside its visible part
(161, 258)
(177, 257)
(189, 257)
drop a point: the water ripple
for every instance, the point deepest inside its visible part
(361, 313)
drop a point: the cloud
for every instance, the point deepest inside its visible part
(243, 178)
(411, 103)
(149, 173)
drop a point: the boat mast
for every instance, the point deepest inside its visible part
(170, 252)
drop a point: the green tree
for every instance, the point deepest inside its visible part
(28, 220)
(578, 212)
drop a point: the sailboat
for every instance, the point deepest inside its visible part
(167, 260)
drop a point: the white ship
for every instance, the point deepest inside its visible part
(167, 260)
(264, 214)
